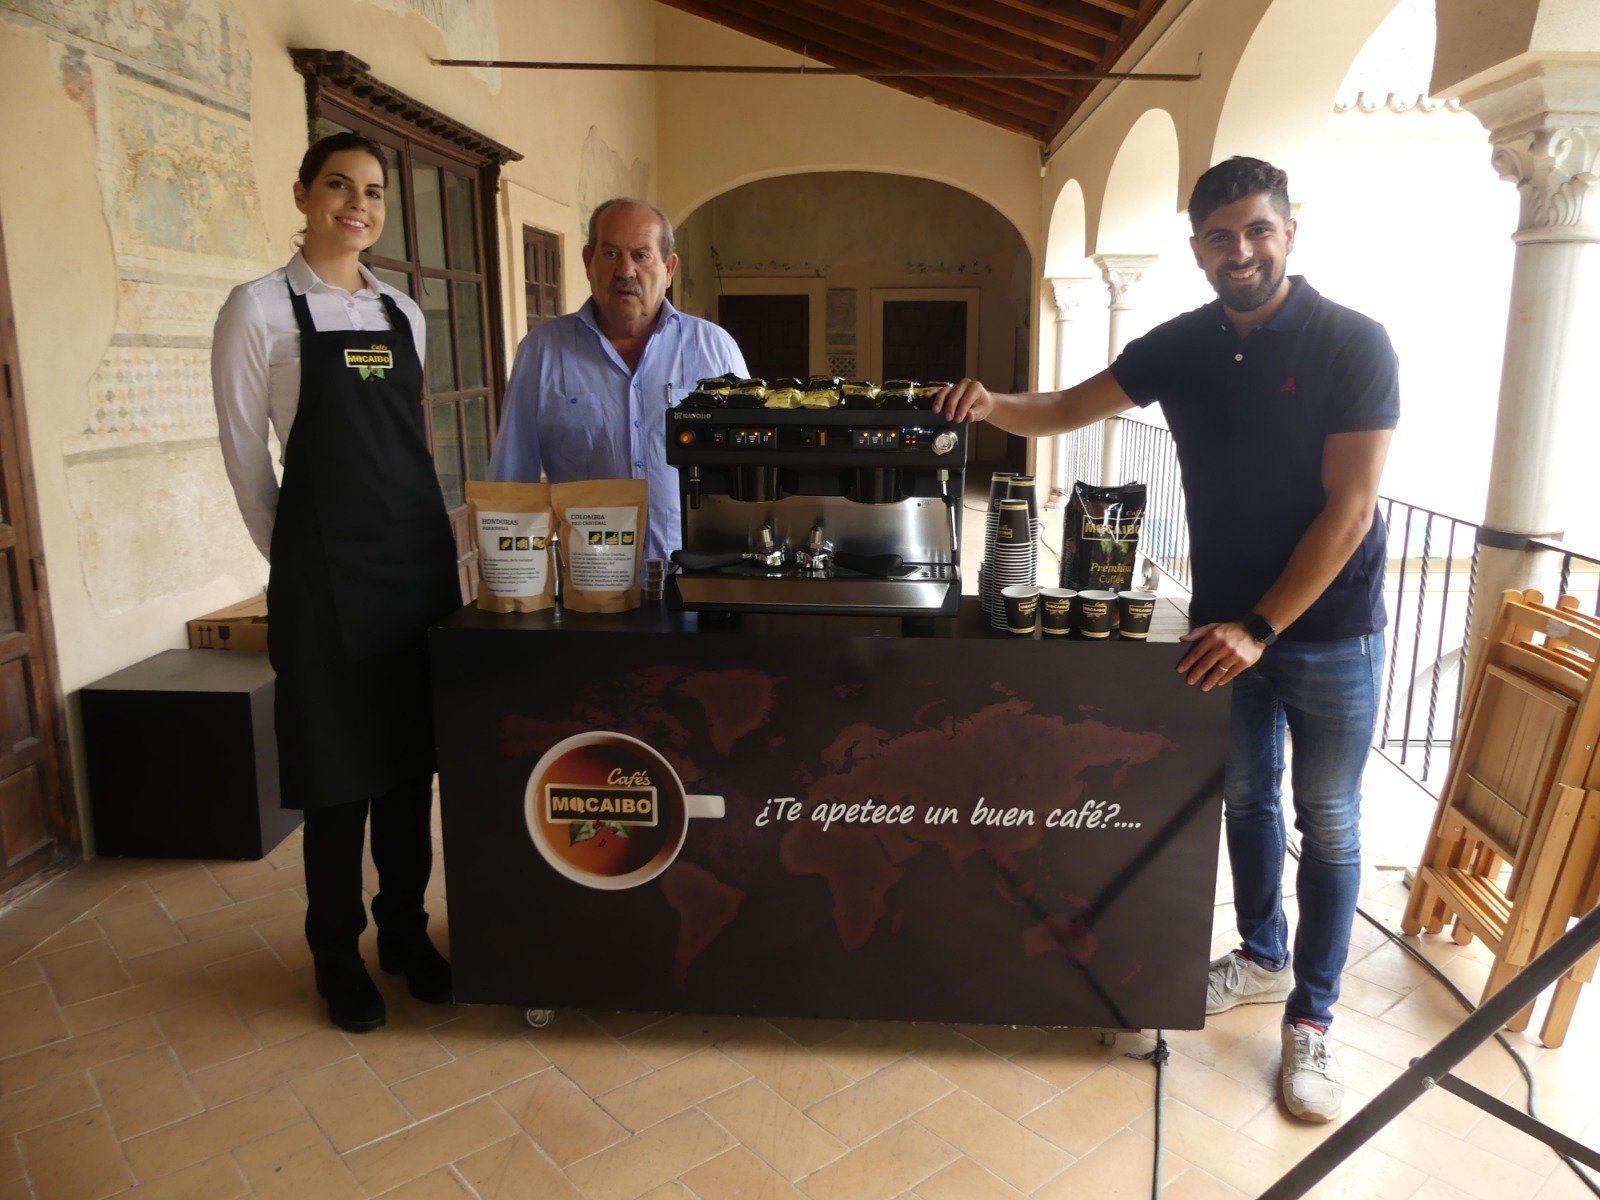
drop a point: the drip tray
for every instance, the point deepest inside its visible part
(931, 590)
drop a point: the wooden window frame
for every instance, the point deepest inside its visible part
(537, 233)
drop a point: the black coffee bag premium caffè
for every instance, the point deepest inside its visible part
(1101, 536)
(603, 524)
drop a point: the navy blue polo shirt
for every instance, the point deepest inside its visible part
(1249, 416)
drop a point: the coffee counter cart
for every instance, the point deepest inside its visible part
(957, 826)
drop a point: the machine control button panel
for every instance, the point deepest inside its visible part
(875, 439)
(916, 439)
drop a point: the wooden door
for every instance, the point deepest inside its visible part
(38, 823)
(924, 339)
(773, 332)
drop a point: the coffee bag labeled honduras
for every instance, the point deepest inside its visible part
(602, 527)
(514, 526)
(1101, 536)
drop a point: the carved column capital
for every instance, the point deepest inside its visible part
(1067, 293)
(1544, 123)
(1121, 273)
(1555, 168)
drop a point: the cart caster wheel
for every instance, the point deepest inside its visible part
(1108, 1037)
(540, 1018)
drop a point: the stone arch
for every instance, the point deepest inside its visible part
(1066, 236)
(732, 184)
(1141, 191)
(1279, 96)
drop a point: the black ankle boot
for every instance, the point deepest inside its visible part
(426, 971)
(353, 1000)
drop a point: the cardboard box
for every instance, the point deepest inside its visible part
(241, 626)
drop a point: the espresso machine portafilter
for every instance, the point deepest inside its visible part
(839, 509)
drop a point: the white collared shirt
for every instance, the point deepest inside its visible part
(255, 370)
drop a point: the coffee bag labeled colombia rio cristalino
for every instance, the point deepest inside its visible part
(1101, 536)
(602, 530)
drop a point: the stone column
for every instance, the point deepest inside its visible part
(1121, 273)
(1067, 293)
(1544, 124)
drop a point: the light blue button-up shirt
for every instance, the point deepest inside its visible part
(575, 411)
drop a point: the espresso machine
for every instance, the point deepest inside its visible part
(852, 508)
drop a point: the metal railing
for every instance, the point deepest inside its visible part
(1429, 591)
(1580, 574)
(1150, 457)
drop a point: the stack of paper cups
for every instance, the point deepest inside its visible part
(1011, 540)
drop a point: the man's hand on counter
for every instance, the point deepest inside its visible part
(968, 400)
(1219, 653)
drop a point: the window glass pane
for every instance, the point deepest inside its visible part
(393, 242)
(327, 128)
(476, 412)
(447, 454)
(430, 214)
(395, 279)
(463, 222)
(441, 358)
(469, 330)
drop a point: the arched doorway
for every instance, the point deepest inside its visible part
(865, 275)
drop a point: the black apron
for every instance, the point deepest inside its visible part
(363, 561)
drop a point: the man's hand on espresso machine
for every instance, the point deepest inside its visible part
(968, 400)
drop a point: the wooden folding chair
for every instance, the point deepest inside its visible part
(1583, 864)
(1504, 856)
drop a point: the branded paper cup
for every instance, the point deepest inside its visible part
(607, 811)
(1022, 608)
(1055, 611)
(1134, 610)
(1095, 611)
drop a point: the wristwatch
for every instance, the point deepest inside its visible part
(1259, 628)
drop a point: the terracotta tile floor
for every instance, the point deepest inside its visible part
(159, 1038)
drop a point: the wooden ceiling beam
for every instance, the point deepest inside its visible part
(740, 23)
(1119, 7)
(1055, 12)
(921, 12)
(990, 12)
(897, 53)
(1035, 111)
(959, 48)
(1114, 52)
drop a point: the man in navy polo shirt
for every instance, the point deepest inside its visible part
(1281, 404)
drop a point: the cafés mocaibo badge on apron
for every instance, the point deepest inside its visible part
(371, 362)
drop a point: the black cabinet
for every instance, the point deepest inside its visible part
(182, 758)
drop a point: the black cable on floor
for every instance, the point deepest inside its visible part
(1461, 998)
(1158, 1054)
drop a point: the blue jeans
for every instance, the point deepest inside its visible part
(1325, 694)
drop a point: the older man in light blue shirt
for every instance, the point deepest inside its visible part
(589, 392)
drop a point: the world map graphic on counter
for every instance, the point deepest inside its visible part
(1039, 775)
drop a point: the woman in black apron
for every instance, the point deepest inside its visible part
(363, 561)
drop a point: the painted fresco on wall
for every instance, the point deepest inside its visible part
(165, 87)
(468, 26)
(602, 174)
(199, 42)
(185, 180)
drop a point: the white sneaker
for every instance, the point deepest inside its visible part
(1235, 980)
(1309, 1078)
